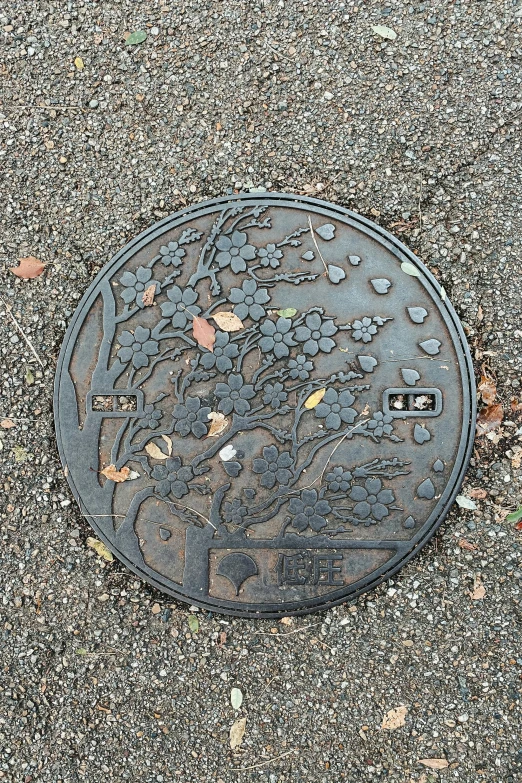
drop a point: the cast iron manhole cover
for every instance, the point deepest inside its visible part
(293, 462)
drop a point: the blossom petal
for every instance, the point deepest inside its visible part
(386, 496)
(248, 252)
(150, 348)
(358, 493)
(223, 243)
(241, 310)
(128, 295)
(128, 278)
(379, 511)
(241, 406)
(333, 421)
(143, 274)
(140, 360)
(373, 485)
(239, 238)
(362, 510)
(126, 338)
(141, 334)
(326, 345)
(259, 465)
(236, 295)
(238, 264)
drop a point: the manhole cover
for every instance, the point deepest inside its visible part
(287, 392)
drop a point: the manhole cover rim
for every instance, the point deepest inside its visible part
(425, 533)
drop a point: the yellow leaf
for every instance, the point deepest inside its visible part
(314, 399)
(118, 476)
(395, 718)
(79, 63)
(101, 549)
(228, 322)
(237, 732)
(155, 452)
(219, 423)
(168, 441)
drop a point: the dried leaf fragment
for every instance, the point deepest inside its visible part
(434, 763)
(489, 419)
(193, 623)
(28, 268)
(148, 295)
(410, 269)
(384, 32)
(237, 732)
(467, 545)
(204, 333)
(314, 399)
(487, 390)
(136, 38)
(7, 424)
(228, 322)
(395, 718)
(465, 502)
(515, 516)
(78, 63)
(155, 452)
(288, 313)
(100, 548)
(118, 476)
(219, 424)
(236, 698)
(479, 591)
(477, 493)
(168, 441)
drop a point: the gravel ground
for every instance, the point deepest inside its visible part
(101, 677)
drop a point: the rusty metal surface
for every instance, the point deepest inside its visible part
(299, 502)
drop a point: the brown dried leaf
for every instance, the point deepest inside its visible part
(314, 399)
(118, 476)
(204, 333)
(479, 591)
(221, 638)
(487, 390)
(489, 419)
(477, 493)
(467, 545)
(237, 732)
(28, 268)
(219, 424)
(155, 452)
(434, 763)
(7, 424)
(100, 548)
(395, 718)
(148, 295)
(228, 322)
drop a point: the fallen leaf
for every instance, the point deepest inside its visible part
(204, 333)
(219, 424)
(100, 548)
(227, 453)
(236, 698)
(79, 63)
(434, 763)
(479, 591)
(478, 493)
(133, 475)
(288, 313)
(395, 718)
(314, 399)
(384, 32)
(81, 651)
(29, 377)
(20, 454)
(487, 390)
(518, 526)
(28, 268)
(467, 545)
(155, 452)
(228, 322)
(168, 441)
(465, 502)
(118, 476)
(193, 623)
(516, 459)
(148, 295)
(515, 515)
(136, 38)
(410, 269)
(222, 638)
(237, 732)
(7, 424)
(489, 419)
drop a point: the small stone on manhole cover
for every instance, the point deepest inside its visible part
(282, 396)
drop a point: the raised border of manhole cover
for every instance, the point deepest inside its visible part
(401, 252)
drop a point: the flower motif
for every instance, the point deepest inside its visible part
(309, 511)
(300, 367)
(172, 477)
(172, 254)
(371, 501)
(248, 300)
(316, 334)
(177, 307)
(152, 417)
(277, 337)
(234, 395)
(274, 394)
(191, 417)
(224, 352)
(273, 466)
(137, 347)
(234, 251)
(234, 512)
(136, 285)
(339, 479)
(335, 408)
(381, 424)
(270, 255)
(363, 330)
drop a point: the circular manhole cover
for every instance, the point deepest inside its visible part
(287, 393)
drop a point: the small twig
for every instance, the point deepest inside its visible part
(420, 202)
(29, 343)
(288, 633)
(315, 243)
(279, 54)
(319, 478)
(262, 763)
(14, 418)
